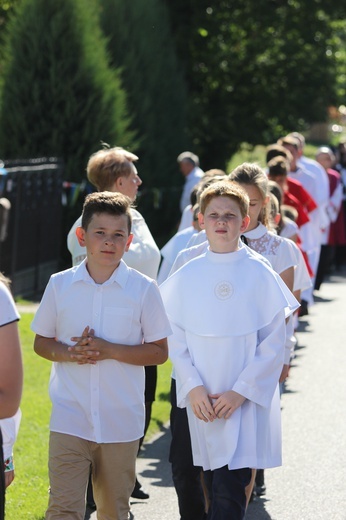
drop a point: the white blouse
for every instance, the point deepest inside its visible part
(271, 246)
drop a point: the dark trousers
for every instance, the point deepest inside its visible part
(149, 397)
(2, 482)
(227, 493)
(324, 264)
(186, 476)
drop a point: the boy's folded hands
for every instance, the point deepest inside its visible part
(201, 404)
(85, 351)
(226, 403)
(208, 407)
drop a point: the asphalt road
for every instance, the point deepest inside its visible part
(311, 484)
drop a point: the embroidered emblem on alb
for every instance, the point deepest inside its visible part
(223, 290)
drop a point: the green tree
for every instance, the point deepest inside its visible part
(141, 45)
(338, 49)
(59, 96)
(254, 69)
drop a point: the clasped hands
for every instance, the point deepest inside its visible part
(209, 407)
(88, 348)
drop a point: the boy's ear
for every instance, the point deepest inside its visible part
(245, 224)
(128, 243)
(118, 183)
(201, 220)
(277, 219)
(80, 233)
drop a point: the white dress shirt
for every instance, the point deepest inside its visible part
(190, 181)
(102, 402)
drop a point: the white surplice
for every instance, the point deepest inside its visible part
(227, 314)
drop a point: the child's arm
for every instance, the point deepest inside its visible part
(9, 430)
(11, 370)
(98, 349)
(288, 277)
(53, 350)
(189, 382)
(259, 378)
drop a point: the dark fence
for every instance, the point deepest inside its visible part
(31, 250)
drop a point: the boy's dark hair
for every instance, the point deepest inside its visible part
(278, 166)
(275, 189)
(275, 150)
(115, 204)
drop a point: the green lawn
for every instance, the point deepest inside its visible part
(26, 498)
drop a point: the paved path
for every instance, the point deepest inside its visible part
(311, 485)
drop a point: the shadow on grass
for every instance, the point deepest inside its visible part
(164, 396)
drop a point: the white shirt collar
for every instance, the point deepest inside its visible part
(119, 275)
(258, 232)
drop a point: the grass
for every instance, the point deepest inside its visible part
(26, 498)
(247, 153)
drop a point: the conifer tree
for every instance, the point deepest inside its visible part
(141, 45)
(59, 95)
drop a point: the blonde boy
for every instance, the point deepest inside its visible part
(227, 312)
(100, 323)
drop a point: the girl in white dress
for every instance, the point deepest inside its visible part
(266, 242)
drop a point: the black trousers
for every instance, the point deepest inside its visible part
(2, 482)
(186, 476)
(227, 493)
(325, 261)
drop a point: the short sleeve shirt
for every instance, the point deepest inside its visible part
(8, 311)
(102, 402)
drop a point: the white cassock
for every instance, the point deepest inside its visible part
(227, 312)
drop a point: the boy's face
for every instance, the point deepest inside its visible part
(223, 224)
(257, 203)
(294, 153)
(128, 185)
(325, 160)
(106, 240)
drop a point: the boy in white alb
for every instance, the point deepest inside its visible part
(227, 350)
(100, 323)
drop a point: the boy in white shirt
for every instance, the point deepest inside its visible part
(227, 350)
(100, 323)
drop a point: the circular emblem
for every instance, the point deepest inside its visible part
(223, 290)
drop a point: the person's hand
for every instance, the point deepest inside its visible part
(83, 352)
(284, 373)
(102, 348)
(9, 477)
(226, 403)
(201, 404)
